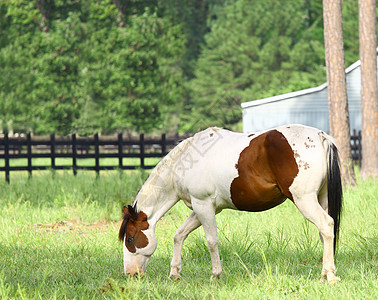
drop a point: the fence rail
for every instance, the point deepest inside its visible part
(75, 148)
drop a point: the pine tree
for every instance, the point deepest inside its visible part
(369, 93)
(337, 93)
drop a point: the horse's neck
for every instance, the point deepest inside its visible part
(157, 195)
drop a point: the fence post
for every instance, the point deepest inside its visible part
(141, 150)
(97, 155)
(6, 156)
(120, 151)
(163, 145)
(52, 150)
(29, 153)
(74, 154)
(359, 149)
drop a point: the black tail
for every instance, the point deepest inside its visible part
(335, 190)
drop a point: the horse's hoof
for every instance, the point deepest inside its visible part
(215, 277)
(334, 280)
(174, 277)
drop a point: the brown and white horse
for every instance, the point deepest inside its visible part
(217, 169)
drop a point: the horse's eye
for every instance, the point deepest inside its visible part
(130, 239)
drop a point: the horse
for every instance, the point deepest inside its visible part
(217, 169)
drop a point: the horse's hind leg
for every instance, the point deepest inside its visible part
(309, 206)
(181, 234)
(323, 201)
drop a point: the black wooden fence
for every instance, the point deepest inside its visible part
(355, 144)
(75, 148)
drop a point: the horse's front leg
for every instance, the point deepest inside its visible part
(205, 212)
(187, 227)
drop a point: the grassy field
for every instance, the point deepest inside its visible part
(58, 239)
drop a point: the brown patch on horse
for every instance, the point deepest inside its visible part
(132, 225)
(252, 134)
(266, 168)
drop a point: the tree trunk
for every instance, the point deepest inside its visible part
(369, 95)
(121, 6)
(337, 93)
(44, 9)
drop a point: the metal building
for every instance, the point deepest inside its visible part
(308, 107)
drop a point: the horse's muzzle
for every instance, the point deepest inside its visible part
(135, 274)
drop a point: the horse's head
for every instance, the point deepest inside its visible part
(139, 241)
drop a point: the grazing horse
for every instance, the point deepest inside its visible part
(217, 169)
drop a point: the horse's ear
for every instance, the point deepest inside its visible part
(133, 214)
(125, 210)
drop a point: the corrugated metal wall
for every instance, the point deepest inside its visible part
(309, 109)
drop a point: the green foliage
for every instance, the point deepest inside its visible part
(130, 78)
(135, 65)
(194, 16)
(85, 73)
(350, 31)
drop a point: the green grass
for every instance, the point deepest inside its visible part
(58, 239)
